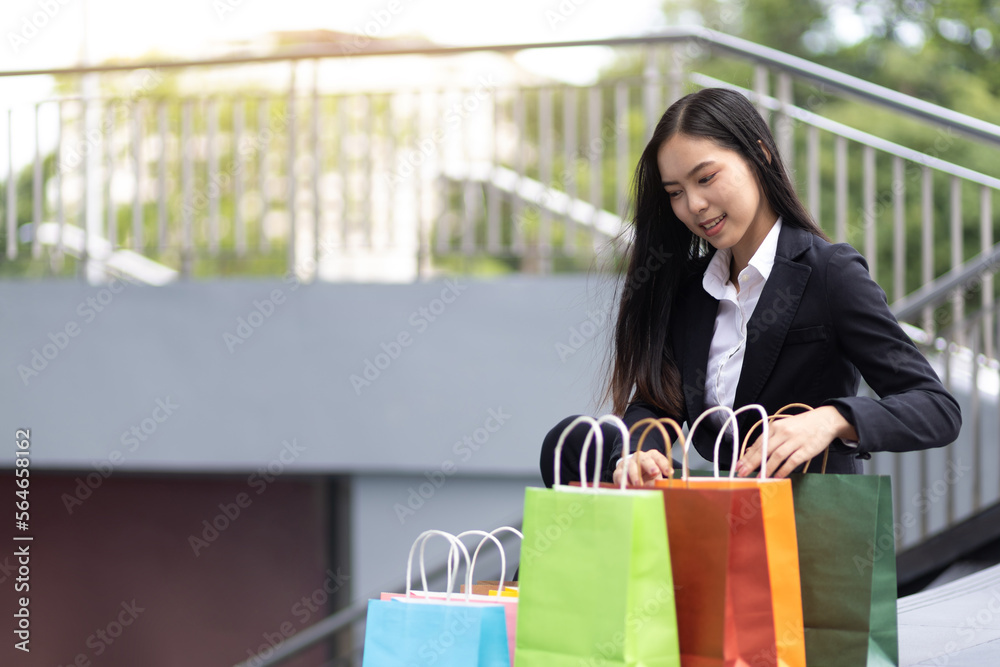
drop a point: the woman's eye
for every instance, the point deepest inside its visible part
(707, 178)
(675, 194)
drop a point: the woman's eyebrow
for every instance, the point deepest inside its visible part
(692, 172)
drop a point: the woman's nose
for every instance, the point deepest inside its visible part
(696, 203)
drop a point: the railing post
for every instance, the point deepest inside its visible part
(786, 128)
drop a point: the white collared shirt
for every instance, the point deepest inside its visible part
(729, 336)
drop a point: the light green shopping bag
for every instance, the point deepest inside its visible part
(596, 586)
(847, 561)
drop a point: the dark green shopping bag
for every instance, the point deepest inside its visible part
(847, 560)
(596, 586)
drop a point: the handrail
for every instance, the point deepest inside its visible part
(852, 134)
(825, 76)
(331, 625)
(933, 292)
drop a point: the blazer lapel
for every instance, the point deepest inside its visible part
(774, 313)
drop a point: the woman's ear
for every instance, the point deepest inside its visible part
(767, 153)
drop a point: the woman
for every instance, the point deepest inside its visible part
(754, 305)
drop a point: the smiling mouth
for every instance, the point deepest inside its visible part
(712, 224)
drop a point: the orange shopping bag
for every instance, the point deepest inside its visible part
(719, 555)
(774, 503)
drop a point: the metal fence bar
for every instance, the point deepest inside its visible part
(868, 216)
(813, 152)
(986, 242)
(762, 87)
(290, 198)
(520, 166)
(263, 149)
(187, 186)
(213, 186)
(570, 99)
(977, 467)
(546, 144)
(651, 90)
(161, 217)
(137, 231)
(786, 130)
(111, 213)
(12, 191)
(898, 230)
(957, 253)
(622, 146)
(343, 166)
(60, 209)
(239, 222)
(595, 153)
(927, 240)
(840, 189)
(316, 142)
(84, 265)
(367, 125)
(493, 232)
(36, 188)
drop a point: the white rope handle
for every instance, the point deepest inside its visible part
(486, 536)
(736, 441)
(736, 437)
(594, 428)
(503, 563)
(456, 548)
(626, 445)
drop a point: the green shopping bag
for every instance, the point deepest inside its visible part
(847, 561)
(596, 586)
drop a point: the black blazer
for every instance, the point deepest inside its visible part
(820, 325)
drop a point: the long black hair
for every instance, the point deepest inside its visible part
(664, 250)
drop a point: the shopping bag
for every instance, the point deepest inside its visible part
(774, 503)
(725, 608)
(507, 602)
(595, 578)
(847, 561)
(451, 632)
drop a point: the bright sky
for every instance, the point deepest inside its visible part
(132, 28)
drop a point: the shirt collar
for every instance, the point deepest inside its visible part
(716, 276)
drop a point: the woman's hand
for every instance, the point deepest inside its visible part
(652, 464)
(797, 439)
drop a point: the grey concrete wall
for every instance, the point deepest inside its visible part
(464, 376)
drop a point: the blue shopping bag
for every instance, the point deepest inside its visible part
(420, 632)
(408, 633)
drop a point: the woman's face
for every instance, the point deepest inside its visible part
(714, 193)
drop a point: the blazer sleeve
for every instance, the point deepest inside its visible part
(913, 411)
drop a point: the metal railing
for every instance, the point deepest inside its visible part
(316, 183)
